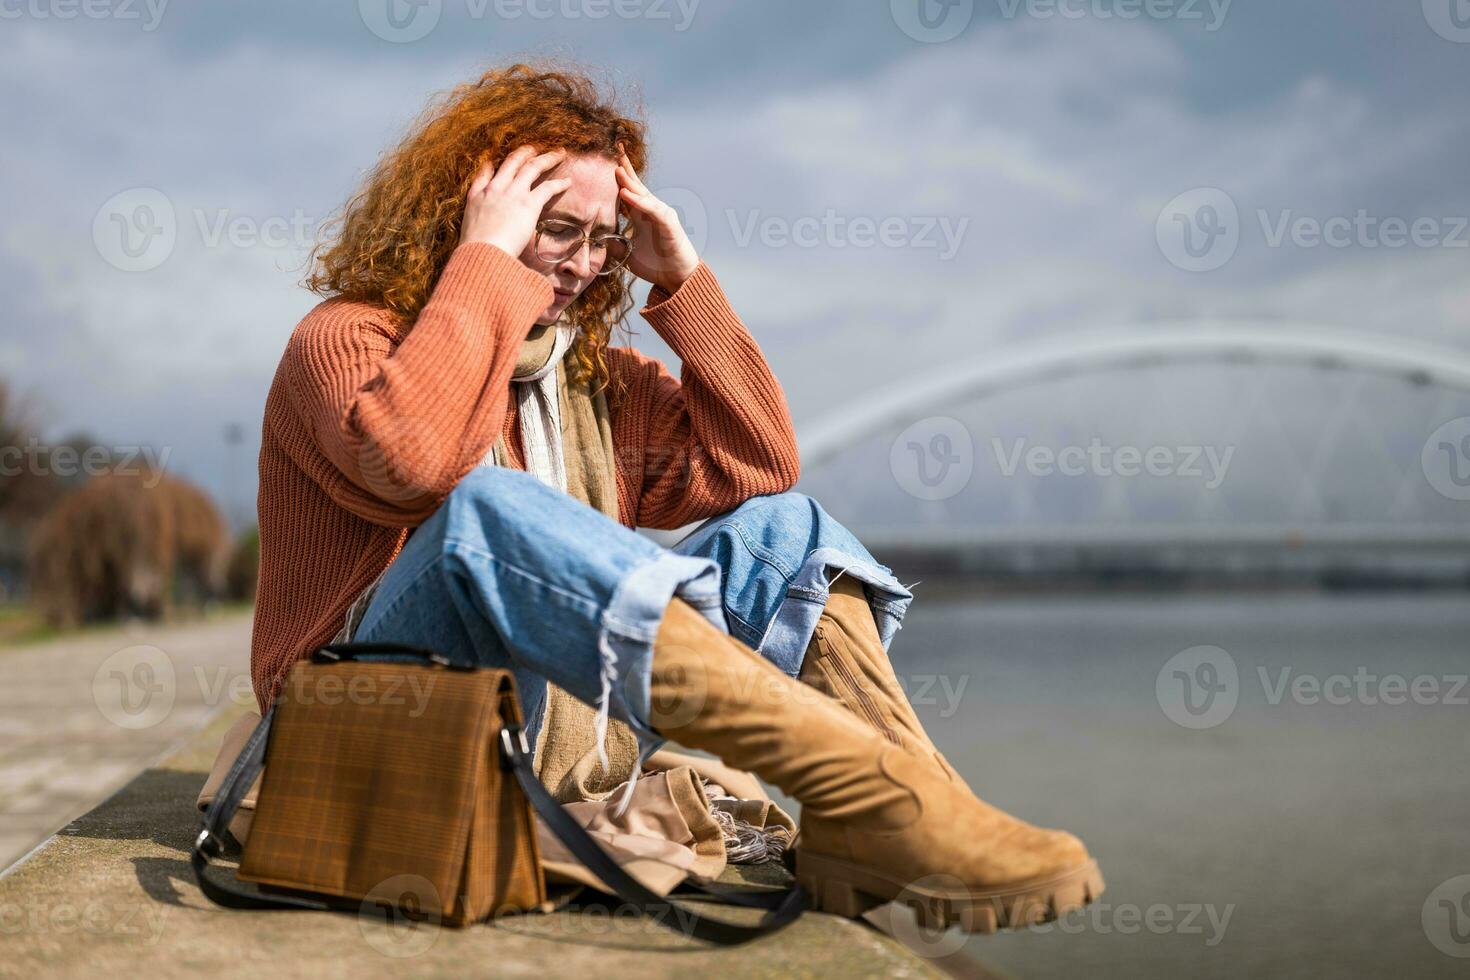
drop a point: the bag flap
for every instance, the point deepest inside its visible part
(371, 780)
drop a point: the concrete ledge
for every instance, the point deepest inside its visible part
(112, 894)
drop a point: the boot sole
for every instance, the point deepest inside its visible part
(845, 889)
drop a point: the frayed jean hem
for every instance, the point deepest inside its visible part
(628, 627)
(791, 628)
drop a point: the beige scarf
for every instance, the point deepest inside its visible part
(566, 435)
(693, 813)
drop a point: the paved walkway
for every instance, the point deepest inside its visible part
(104, 741)
(82, 715)
(112, 895)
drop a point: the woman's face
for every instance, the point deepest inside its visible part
(591, 203)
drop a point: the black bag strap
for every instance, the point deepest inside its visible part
(210, 842)
(783, 907)
(339, 652)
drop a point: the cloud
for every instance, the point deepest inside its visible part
(1050, 152)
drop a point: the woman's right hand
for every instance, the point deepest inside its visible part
(505, 202)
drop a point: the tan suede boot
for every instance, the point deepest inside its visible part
(846, 660)
(877, 823)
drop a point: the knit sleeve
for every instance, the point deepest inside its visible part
(722, 433)
(398, 424)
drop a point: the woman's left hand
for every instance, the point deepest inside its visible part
(662, 252)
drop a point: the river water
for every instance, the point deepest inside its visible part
(1309, 831)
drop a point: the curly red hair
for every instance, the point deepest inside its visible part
(394, 236)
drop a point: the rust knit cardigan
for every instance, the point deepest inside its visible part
(369, 426)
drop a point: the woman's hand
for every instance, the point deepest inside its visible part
(504, 203)
(662, 252)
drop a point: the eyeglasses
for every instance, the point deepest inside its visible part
(558, 240)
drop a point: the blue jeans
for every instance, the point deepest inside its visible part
(512, 573)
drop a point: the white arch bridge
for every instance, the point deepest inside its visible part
(1302, 537)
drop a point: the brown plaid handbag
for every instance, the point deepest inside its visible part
(386, 787)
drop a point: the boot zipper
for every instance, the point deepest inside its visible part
(875, 717)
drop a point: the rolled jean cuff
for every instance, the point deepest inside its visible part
(791, 628)
(629, 625)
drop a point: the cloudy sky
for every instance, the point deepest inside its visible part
(883, 188)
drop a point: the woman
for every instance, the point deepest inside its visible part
(453, 455)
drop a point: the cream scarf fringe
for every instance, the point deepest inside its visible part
(566, 436)
(582, 754)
